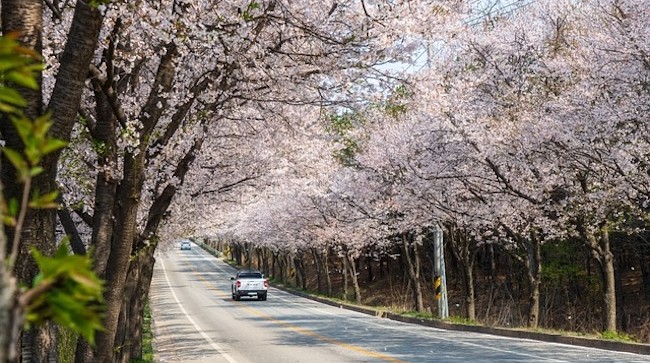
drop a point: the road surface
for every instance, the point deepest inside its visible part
(196, 320)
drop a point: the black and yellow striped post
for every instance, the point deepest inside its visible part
(440, 280)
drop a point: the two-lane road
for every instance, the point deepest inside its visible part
(196, 320)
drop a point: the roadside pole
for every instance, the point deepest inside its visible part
(440, 275)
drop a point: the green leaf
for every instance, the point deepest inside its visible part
(35, 171)
(9, 62)
(74, 298)
(8, 109)
(9, 221)
(44, 201)
(52, 145)
(24, 127)
(12, 97)
(41, 126)
(14, 207)
(16, 159)
(23, 79)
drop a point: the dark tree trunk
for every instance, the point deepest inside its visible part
(326, 268)
(106, 183)
(354, 277)
(125, 238)
(534, 272)
(319, 270)
(281, 267)
(124, 338)
(25, 18)
(70, 228)
(8, 288)
(413, 268)
(371, 276)
(464, 251)
(345, 277)
(274, 261)
(301, 272)
(265, 261)
(645, 274)
(600, 249)
(118, 262)
(129, 332)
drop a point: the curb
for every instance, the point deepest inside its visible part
(636, 348)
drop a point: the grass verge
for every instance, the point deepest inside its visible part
(147, 338)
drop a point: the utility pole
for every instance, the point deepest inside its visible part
(440, 280)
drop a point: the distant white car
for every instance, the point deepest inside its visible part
(186, 245)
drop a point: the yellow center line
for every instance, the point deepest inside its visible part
(300, 330)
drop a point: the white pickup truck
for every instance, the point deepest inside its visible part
(249, 283)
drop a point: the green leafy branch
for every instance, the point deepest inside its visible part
(66, 290)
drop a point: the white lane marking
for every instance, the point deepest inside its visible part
(203, 334)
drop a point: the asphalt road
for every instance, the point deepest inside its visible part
(196, 320)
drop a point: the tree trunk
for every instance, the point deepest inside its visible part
(281, 267)
(319, 270)
(413, 270)
(70, 229)
(470, 299)
(105, 190)
(534, 272)
(645, 274)
(300, 267)
(106, 182)
(274, 259)
(461, 248)
(248, 261)
(326, 268)
(601, 252)
(26, 18)
(609, 283)
(350, 262)
(9, 330)
(118, 262)
(129, 332)
(123, 337)
(345, 277)
(371, 276)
